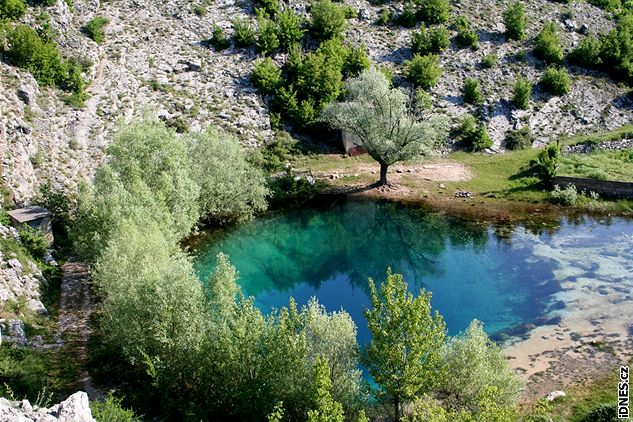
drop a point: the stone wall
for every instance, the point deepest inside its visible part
(604, 188)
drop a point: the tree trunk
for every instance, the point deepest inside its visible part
(396, 407)
(383, 174)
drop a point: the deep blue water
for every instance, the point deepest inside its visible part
(491, 273)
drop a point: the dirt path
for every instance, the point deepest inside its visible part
(74, 318)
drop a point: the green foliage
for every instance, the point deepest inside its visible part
(243, 32)
(293, 190)
(521, 93)
(328, 20)
(267, 39)
(111, 410)
(519, 138)
(608, 5)
(28, 50)
(434, 40)
(474, 364)
(556, 81)
(587, 54)
(94, 28)
(327, 409)
(466, 36)
(34, 241)
(547, 44)
(266, 76)
(472, 134)
(472, 93)
(277, 415)
(200, 10)
(405, 354)
(24, 371)
(350, 12)
(270, 7)
(406, 18)
(567, 196)
(356, 60)
(489, 61)
(546, 163)
(515, 21)
(424, 71)
(218, 39)
(231, 189)
(290, 29)
(11, 10)
(380, 116)
(434, 11)
(603, 412)
(383, 17)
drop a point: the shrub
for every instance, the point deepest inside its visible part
(472, 134)
(218, 40)
(267, 39)
(407, 18)
(567, 196)
(34, 241)
(270, 7)
(111, 410)
(422, 100)
(521, 93)
(349, 11)
(603, 412)
(200, 10)
(383, 17)
(519, 139)
(435, 11)
(587, 54)
(289, 28)
(11, 10)
(489, 61)
(430, 41)
(555, 81)
(546, 163)
(94, 28)
(466, 37)
(608, 5)
(328, 19)
(547, 44)
(356, 60)
(424, 71)
(515, 21)
(266, 76)
(472, 94)
(243, 32)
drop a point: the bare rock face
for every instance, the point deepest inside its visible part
(75, 408)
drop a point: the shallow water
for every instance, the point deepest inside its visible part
(508, 277)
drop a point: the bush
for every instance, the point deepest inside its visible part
(546, 163)
(604, 412)
(466, 37)
(243, 33)
(267, 39)
(383, 17)
(472, 94)
(218, 40)
(356, 60)
(34, 241)
(289, 28)
(94, 29)
(424, 71)
(519, 139)
(489, 61)
(587, 54)
(547, 44)
(472, 135)
(521, 93)
(11, 10)
(111, 410)
(407, 18)
(435, 11)
(328, 20)
(567, 196)
(200, 10)
(556, 81)
(270, 7)
(608, 5)
(430, 41)
(515, 21)
(266, 76)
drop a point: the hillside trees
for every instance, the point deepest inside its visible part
(380, 116)
(515, 21)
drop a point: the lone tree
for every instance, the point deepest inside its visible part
(405, 354)
(384, 121)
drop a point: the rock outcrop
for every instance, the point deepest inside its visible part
(75, 408)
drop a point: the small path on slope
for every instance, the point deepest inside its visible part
(74, 319)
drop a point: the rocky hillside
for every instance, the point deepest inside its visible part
(155, 57)
(74, 409)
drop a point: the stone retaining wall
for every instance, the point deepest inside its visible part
(604, 188)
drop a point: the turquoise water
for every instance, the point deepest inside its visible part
(493, 274)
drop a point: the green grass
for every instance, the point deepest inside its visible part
(623, 132)
(603, 165)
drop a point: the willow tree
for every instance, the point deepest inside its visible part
(385, 121)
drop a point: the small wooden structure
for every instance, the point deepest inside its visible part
(36, 217)
(352, 144)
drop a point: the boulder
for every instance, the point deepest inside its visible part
(555, 394)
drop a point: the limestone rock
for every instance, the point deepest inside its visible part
(555, 394)
(74, 409)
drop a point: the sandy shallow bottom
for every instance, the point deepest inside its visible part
(596, 326)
